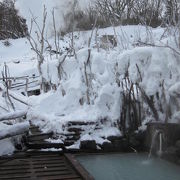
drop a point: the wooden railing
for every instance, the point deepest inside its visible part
(23, 82)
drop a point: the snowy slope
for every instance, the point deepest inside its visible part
(158, 66)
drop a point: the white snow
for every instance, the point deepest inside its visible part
(15, 129)
(51, 111)
(54, 140)
(51, 150)
(7, 145)
(12, 115)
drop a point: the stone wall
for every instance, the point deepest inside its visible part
(170, 140)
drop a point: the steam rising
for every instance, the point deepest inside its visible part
(61, 7)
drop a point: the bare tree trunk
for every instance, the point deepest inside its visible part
(38, 45)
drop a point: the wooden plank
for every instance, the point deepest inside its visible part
(42, 166)
(50, 158)
(43, 145)
(78, 167)
(69, 142)
(14, 172)
(40, 136)
(62, 177)
(15, 176)
(40, 174)
(8, 168)
(15, 165)
(46, 155)
(48, 163)
(74, 129)
(23, 178)
(15, 161)
(59, 177)
(11, 178)
(80, 123)
(54, 170)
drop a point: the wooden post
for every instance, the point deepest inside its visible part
(26, 88)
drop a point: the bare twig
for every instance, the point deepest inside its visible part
(160, 46)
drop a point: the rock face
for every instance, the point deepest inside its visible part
(88, 145)
(107, 146)
(178, 149)
(178, 144)
(170, 140)
(116, 144)
(171, 133)
(178, 154)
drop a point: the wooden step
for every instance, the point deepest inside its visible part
(74, 129)
(69, 142)
(34, 131)
(39, 136)
(75, 137)
(80, 123)
(44, 145)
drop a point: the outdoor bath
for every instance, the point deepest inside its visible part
(128, 166)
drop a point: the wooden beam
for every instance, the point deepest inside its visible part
(12, 115)
(78, 167)
(14, 130)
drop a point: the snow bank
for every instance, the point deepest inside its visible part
(105, 91)
(6, 112)
(157, 66)
(12, 115)
(138, 52)
(14, 130)
(7, 145)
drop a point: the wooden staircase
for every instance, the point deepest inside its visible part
(40, 161)
(37, 140)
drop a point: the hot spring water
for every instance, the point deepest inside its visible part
(129, 166)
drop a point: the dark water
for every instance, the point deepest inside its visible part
(129, 167)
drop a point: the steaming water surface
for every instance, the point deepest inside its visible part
(129, 167)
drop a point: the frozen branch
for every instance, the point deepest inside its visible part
(13, 115)
(14, 130)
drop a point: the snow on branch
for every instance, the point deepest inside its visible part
(12, 115)
(14, 130)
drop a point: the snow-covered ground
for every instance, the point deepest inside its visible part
(159, 68)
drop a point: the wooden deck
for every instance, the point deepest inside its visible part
(42, 166)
